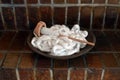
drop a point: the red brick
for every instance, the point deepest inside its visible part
(85, 17)
(58, 11)
(109, 60)
(72, 17)
(45, 1)
(8, 18)
(32, 1)
(26, 74)
(113, 1)
(27, 61)
(94, 74)
(43, 62)
(19, 41)
(6, 1)
(2, 55)
(114, 40)
(98, 17)
(6, 40)
(111, 14)
(7, 74)
(94, 61)
(18, 1)
(99, 1)
(77, 74)
(11, 60)
(77, 62)
(60, 64)
(112, 74)
(33, 16)
(43, 74)
(26, 66)
(72, 1)
(46, 15)
(60, 74)
(86, 1)
(118, 58)
(21, 18)
(59, 1)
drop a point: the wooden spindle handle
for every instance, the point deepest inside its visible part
(38, 27)
(82, 41)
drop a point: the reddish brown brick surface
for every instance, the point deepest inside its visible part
(7, 74)
(26, 74)
(11, 60)
(85, 17)
(98, 17)
(72, 1)
(21, 18)
(94, 74)
(4, 1)
(25, 67)
(60, 64)
(113, 2)
(77, 62)
(112, 74)
(99, 1)
(43, 74)
(46, 15)
(114, 40)
(33, 16)
(60, 74)
(57, 14)
(45, 1)
(77, 74)
(6, 40)
(109, 60)
(72, 19)
(43, 62)
(27, 61)
(19, 41)
(86, 1)
(8, 18)
(32, 1)
(117, 55)
(94, 61)
(1, 58)
(109, 21)
(58, 1)
(18, 1)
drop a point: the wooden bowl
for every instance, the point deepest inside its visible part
(82, 51)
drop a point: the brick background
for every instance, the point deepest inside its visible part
(19, 17)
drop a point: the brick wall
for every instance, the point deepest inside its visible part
(18, 62)
(91, 14)
(19, 17)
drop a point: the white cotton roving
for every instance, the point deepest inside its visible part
(50, 41)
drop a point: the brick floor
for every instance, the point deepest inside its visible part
(19, 62)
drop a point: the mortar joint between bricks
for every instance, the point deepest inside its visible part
(51, 74)
(68, 75)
